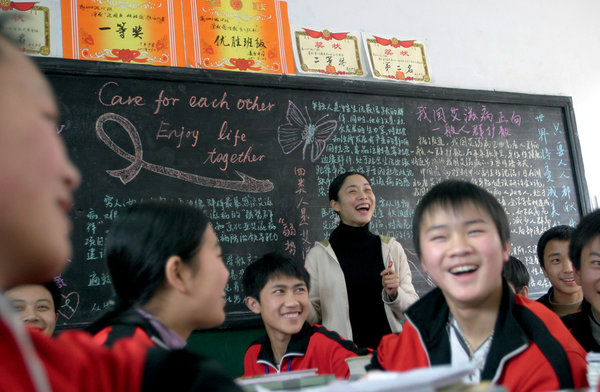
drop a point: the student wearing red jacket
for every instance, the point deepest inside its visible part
(166, 267)
(277, 289)
(37, 181)
(461, 236)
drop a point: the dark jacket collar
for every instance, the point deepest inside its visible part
(296, 347)
(509, 338)
(580, 325)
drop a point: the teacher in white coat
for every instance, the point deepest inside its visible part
(360, 282)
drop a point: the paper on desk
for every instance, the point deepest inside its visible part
(425, 379)
(284, 376)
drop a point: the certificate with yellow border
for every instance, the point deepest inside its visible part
(396, 59)
(327, 52)
(128, 31)
(30, 25)
(238, 35)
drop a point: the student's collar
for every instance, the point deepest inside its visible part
(297, 346)
(166, 335)
(509, 337)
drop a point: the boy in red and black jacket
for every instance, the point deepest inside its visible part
(277, 289)
(461, 235)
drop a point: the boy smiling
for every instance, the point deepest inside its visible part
(277, 289)
(565, 295)
(461, 235)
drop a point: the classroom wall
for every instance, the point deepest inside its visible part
(532, 46)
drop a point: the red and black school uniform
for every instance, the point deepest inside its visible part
(138, 325)
(73, 363)
(314, 347)
(531, 349)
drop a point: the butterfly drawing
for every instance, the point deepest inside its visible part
(300, 130)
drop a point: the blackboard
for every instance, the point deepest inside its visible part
(257, 153)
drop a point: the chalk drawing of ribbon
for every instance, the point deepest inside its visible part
(247, 183)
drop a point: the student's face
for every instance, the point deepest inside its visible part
(559, 269)
(34, 304)
(588, 275)
(462, 252)
(356, 201)
(37, 179)
(209, 281)
(283, 305)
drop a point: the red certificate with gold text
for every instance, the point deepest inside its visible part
(238, 35)
(129, 31)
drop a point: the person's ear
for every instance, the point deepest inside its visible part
(544, 271)
(253, 304)
(506, 252)
(334, 205)
(176, 273)
(424, 266)
(525, 291)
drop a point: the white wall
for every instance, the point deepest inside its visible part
(527, 46)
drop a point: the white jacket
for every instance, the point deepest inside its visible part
(329, 297)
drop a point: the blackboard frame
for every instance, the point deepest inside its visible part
(75, 68)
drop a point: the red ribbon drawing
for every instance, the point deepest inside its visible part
(325, 34)
(247, 184)
(394, 42)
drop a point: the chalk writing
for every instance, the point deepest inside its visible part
(302, 206)
(247, 183)
(482, 123)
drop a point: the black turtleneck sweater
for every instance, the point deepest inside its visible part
(359, 254)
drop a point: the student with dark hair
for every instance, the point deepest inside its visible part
(565, 295)
(166, 267)
(584, 251)
(461, 235)
(38, 181)
(362, 282)
(516, 275)
(36, 304)
(277, 289)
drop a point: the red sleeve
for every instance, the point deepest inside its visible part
(339, 366)
(75, 363)
(330, 354)
(578, 369)
(403, 351)
(251, 368)
(110, 335)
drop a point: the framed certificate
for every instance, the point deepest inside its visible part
(238, 35)
(132, 31)
(30, 25)
(326, 52)
(395, 59)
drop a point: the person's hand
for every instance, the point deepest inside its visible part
(389, 280)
